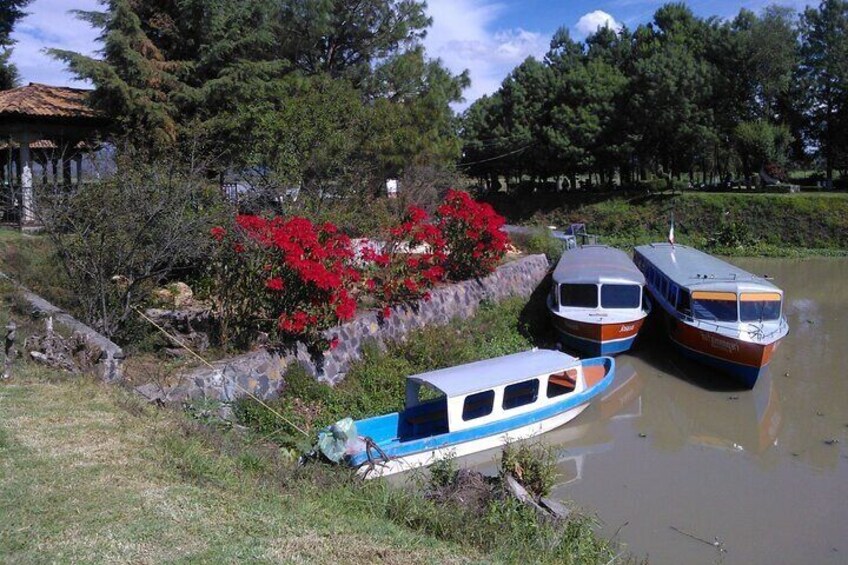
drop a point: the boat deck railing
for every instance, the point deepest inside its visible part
(757, 330)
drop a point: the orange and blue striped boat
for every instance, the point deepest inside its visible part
(714, 312)
(597, 300)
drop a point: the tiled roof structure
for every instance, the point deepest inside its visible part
(43, 144)
(43, 101)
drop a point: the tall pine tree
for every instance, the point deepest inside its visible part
(136, 83)
(11, 11)
(825, 70)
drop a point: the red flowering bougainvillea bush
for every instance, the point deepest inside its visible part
(294, 279)
(473, 238)
(407, 264)
(285, 276)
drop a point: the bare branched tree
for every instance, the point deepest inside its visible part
(139, 222)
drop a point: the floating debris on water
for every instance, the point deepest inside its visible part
(642, 434)
(718, 544)
(733, 397)
(831, 441)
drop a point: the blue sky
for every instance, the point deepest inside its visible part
(487, 37)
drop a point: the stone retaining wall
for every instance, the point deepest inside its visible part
(261, 372)
(109, 366)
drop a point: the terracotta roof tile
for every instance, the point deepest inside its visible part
(44, 144)
(41, 100)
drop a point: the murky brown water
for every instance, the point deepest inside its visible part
(668, 447)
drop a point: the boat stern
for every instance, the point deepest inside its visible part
(597, 339)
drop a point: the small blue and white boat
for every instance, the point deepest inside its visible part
(479, 406)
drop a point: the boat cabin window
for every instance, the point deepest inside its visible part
(521, 394)
(621, 296)
(714, 306)
(671, 294)
(478, 405)
(579, 295)
(759, 306)
(554, 293)
(684, 304)
(562, 383)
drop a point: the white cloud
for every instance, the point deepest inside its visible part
(591, 22)
(49, 24)
(461, 37)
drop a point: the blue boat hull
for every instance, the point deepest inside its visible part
(595, 348)
(746, 375)
(388, 431)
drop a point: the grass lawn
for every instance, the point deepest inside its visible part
(87, 474)
(90, 474)
(782, 225)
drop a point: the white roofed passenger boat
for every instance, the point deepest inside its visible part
(597, 300)
(714, 312)
(479, 406)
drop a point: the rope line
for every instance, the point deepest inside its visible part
(211, 366)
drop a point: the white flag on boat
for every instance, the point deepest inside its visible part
(671, 232)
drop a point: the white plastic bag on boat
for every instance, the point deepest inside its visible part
(339, 440)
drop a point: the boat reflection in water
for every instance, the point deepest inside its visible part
(747, 421)
(672, 413)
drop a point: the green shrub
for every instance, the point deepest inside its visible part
(534, 466)
(543, 241)
(732, 234)
(443, 472)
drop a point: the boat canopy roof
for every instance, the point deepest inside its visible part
(691, 268)
(593, 264)
(491, 373)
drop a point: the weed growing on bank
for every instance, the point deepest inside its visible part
(534, 466)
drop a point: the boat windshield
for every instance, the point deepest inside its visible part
(714, 306)
(579, 295)
(620, 296)
(759, 306)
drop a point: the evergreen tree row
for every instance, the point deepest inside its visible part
(681, 97)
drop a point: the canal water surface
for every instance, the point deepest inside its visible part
(674, 459)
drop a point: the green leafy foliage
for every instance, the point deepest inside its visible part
(541, 240)
(11, 11)
(327, 96)
(118, 238)
(534, 466)
(825, 73)
(682, 95)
